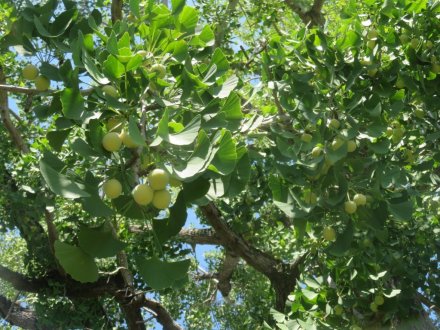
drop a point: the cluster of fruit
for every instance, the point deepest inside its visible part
(143, 194)
(31, 72)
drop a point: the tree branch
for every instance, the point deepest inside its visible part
(161, 314)
(19, 316)
(221, 28)
(15, 134)
(116, 10)
(313, 16)
(33, 91)
(428, 303)
(282, 276)
(224, 274)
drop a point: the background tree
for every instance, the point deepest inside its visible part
(304, 136)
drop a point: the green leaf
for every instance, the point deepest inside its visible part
(232, 108)
(184, 137)
(381, 147)
(113, 68)
(61, 184)
(134, 132)
(50, 71)
(177, 6)
(73, 103)
(393, 293)
(401, 210)
(83, 149)
(378, 276)
(127, 207)
(195, 189)
(220, 61)
(161, 274)
(225, 88)
(76, 262)
(188, 18)
(134, 62)
(226, 156)
(56, 138)
(99, 242)
(96, 207)
(343, 242)
(93, 70)
(199, 160)
(134, 7)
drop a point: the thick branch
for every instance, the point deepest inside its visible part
(428, 303)
(161, 314)
(116, 10)
(224, 274)
(282, 276)
(18, 316)
(6, 118)
(313, 16)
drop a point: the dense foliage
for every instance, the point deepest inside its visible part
(303, 136)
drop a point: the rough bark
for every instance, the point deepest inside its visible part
(281, 275)
(161, 314)
(116, 10)
(225, 273)
(19, 316)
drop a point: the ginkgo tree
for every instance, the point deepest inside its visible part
(305, 136)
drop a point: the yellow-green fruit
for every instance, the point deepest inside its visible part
(350, 207)
(414, 43)
(389, 131)
(397, 134)
(373, 307)
(419, 113)
(30, 72)
(372, 72)
(338, 309)
(110, 90)
(371, 44)
(310, 197)
(159, 69)
(351, 146)
(329, 234)
(142, 194)
(400, 83)
(429, 44)
(161, 199)
(306, 138)
(127, 140)
(114, 124)
(174, 182)
(112, 188)
(334, 123)
(372, 34)
(360, 199)
(42, 83)
(378, 300)
(158, 179)
(435, 67)
(142, 53)
(337, 143)
(316, 152)
(111, 142)
(404, 38)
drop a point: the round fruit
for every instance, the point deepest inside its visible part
(404, 38)
(372, 72)
(371, 44)
(161, 199)
(316, 152)
(400, 83)
(110, 90)
(42, 83)
(114, 124)
(419, 113)
(397, 134)
(329, 234)
(30, 72)
(310, 197)
(378, 300)
(429, 44)
(127, 140)
(142, 194)
(360, 199)
(435, 67)
(338, 309)
(334, 123)
(414, 43)
(142, 53)
(373, 307)
(350, 207)
(337, 143)
(351, 146)
(111, 142)
(159, 69)
(305, 137)
(389, 131)
(158, 179)
(372, 34)
(112, 188)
